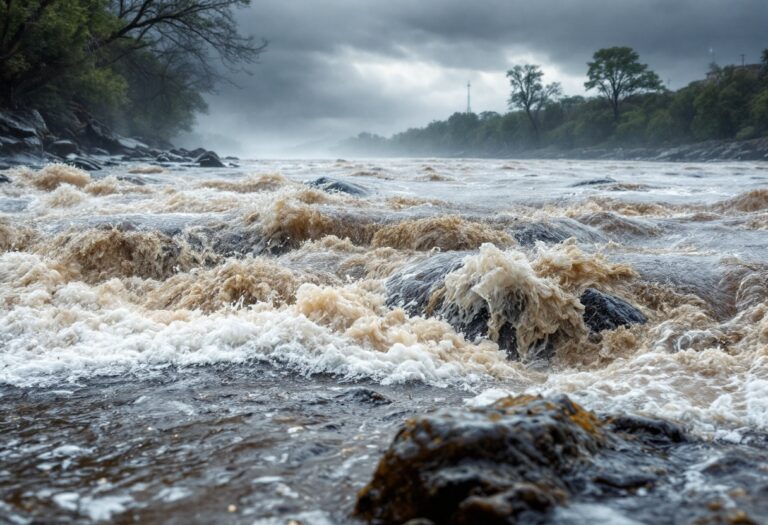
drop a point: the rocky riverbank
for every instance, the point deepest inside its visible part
(709, 151)
(26, 139)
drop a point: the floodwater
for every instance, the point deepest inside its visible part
(186, 345)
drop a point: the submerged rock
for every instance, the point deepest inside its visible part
(553, 231)
(84, 164)
(338, 186)
(594, 182)
(522, 459)
(419, 288)
(607, 312)
(363, 396)
(62, 148)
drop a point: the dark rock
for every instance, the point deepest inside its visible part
(84, 164)
(417, 289)
(594, 182)
(197, 152)
(338, 186)
(210, 159)
(553, 231)
(364, 396)
(167, 156)
(180, 152)
(62, 148)
(99, 151)
(529, 234)
(536, 460)
(412, 287)
(94, 134)
(22, 132)
(607, 312)
(4, 179)
(134, 179)
(509, 463)
(655, 430)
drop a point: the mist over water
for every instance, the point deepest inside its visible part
(176, 289)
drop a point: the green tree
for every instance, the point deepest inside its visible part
(616, 72)
(530, 94)
(148, 59)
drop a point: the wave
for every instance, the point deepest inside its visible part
(95, 255)
(443, 233)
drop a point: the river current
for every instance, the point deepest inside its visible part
(187, 345)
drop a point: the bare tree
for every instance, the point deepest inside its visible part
(530, 94)
(196, 28)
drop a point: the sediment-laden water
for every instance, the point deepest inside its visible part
(241, 345)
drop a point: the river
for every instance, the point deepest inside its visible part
(187, 345)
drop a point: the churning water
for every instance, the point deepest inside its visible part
(189, 345)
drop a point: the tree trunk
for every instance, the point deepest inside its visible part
(534, 126)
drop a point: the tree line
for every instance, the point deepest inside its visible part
(140, 66)
(631, 108)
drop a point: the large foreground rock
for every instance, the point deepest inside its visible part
(524, 459)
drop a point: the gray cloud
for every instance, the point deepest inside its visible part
(337, 67)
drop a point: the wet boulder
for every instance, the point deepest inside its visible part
(553, 231)
(540, 460)
(412, 287)
(4, 179)
(21, 133)
(418, 289)
(197, 152)
(607, 312)
(84, 164)
(94, 134)
(512, 462)
(62, 148)
(594, 182)
(338, 186)
(210, 159)
(363, 396)
(167, 156)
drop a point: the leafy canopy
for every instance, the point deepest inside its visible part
(616, 72)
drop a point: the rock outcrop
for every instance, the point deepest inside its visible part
(528, 459)
(338, 186)
(21, 134)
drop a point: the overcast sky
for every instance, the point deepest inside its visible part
(334, 68)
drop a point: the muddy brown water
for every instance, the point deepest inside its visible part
(195, 346)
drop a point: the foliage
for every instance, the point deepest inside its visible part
(141, 65)
(616, 73)
(731, 103)
(530, 94)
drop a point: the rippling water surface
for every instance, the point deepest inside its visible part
(194, 345)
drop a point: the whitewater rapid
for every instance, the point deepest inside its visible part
(138, 269)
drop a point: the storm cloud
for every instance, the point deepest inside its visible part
(335, 68)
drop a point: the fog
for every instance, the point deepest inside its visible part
(347, 66)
